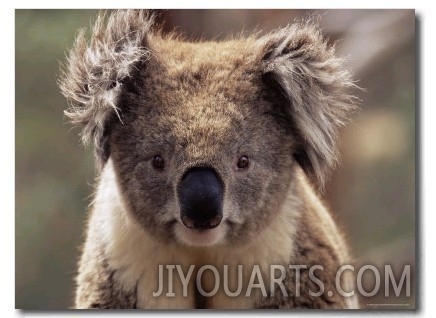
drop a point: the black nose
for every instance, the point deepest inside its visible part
(201, 199)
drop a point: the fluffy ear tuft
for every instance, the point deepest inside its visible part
(314, 83)
(91, 79)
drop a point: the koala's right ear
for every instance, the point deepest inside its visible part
(91, 79)
(301, 63)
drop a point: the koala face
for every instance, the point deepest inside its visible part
(204, 152)
(204, 136)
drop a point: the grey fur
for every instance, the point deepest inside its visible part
(278, 99)
(314, 81)
(92, 78)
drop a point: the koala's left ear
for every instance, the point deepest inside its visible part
(302, 64)
(93, 76)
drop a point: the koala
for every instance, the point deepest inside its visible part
(209, 153)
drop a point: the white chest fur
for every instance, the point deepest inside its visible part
(136, 256)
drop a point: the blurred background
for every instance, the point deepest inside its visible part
(372, 193)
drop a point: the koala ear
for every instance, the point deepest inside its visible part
(92, 77)
(298, 59)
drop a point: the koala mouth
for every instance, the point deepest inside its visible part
(199, 237)
(201, 199)
(194, 225)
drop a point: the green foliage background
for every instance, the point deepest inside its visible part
(53, 175)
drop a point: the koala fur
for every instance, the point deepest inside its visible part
(277, 99)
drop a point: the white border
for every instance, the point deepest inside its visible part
(7, 165)
(426, 15)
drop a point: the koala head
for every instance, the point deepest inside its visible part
(204, 137)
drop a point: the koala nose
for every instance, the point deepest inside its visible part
(201, 199)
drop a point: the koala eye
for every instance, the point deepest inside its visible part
(243, 162)
(158, 162)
